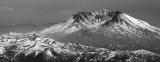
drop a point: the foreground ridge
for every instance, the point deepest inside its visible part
(31, 47)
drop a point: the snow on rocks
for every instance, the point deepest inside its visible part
(30, 46)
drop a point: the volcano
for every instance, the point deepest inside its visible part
(109, 29)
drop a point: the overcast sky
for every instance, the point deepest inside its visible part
(39, 11)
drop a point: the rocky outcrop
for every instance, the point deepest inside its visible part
(31, 47)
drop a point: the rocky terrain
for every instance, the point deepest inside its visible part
(30, 47)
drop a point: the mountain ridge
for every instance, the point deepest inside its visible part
(106, 28)
(107, 18)
(29, 47)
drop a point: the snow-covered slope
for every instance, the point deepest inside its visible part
(95, 19)
(30, 47)
(106, 28)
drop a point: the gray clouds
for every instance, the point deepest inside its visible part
(38, 11)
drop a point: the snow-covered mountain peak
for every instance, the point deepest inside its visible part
(101, 19)
(108, 29)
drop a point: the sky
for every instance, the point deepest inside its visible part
(14, 12)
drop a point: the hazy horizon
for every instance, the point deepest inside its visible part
(14, 12)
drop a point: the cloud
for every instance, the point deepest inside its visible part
(66, 12)
(7, 8)
(12, 16)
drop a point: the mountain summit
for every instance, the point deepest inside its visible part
(108, 29)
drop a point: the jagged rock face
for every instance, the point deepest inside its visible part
(106, 28)
(32, 48)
